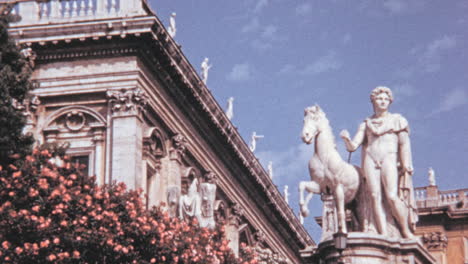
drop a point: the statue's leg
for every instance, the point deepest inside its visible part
(311, 187)
(390, 184)
(340, 206)
(373, 182)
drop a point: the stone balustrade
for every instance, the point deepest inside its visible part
(430, 196)
(62, 11)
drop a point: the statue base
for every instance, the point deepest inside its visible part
(363, 248)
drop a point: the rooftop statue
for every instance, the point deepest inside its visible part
(329, 173)
(172, 25)
(431, 176)
(230, 108)
(270, 169)
(253, 141)
(286, 194)
(205, 68)
(384, 137)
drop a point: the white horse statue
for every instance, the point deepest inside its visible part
(328, 171)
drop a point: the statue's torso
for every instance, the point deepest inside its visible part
(382, 136)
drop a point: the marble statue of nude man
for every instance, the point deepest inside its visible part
(386, 163)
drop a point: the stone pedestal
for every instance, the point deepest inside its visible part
(370, 249)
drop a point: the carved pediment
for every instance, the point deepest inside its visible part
(74, 119)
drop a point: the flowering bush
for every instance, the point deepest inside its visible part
(51, 214)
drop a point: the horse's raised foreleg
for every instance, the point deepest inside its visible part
(311, 187)
(340, 208)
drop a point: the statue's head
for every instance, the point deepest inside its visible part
(314, 119)
(379, 90)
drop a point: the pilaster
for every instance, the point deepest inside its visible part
(127, 135)
(176, 153)
(232, 227)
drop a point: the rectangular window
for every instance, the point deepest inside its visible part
(83, 161)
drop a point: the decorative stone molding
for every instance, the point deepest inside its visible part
(99, 135)
(179, 146)
(153, 146)
(259, 238)
(435, 240)
(127, 102)
(75, 120)
(267, 256)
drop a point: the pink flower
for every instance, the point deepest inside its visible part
(52, 257)
(6, 244)
(45, 243)
(18, 250)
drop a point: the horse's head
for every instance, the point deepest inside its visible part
(313, 118)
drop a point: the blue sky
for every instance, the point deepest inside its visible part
(276, 57)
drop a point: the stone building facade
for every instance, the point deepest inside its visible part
(443, 223)
(111, 81)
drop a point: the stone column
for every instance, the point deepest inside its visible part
(176, 153)
(99, 155)
(172, 186)
(127, 135)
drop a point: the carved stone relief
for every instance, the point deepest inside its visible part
(127, 102)
(435, 240)
(75, 120)
(179, 145)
